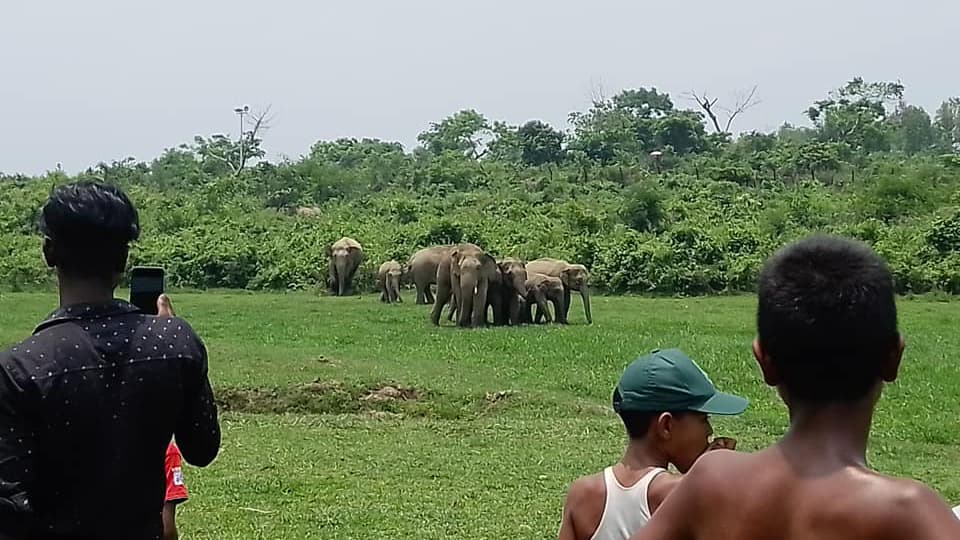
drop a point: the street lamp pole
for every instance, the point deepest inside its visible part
(240, 112)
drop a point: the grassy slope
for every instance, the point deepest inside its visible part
(456, 464)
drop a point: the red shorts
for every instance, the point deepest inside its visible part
(176, 488)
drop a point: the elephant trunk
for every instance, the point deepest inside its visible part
(519, 282)
(395, 287)
(585, 295)
(343, 265)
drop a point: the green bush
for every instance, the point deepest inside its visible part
(678, 232)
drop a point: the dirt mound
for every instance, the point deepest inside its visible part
(392, 393)
(323, 387)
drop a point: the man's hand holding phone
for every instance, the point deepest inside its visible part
(165, 307)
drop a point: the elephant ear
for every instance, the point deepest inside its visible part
(567, 276)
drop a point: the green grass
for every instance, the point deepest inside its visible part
(306, 455)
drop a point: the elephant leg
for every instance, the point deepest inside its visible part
(443, 296)
(525, 317)
(396, 292)
(516, 306)
(421, 297)
(349, 282)
(560, 308)
(480, 303)
(453, 308)
(465, 306)
(566, 304)
(456, 300)
(542, 307)
(428, 293)
(501, 311)
(332, 278)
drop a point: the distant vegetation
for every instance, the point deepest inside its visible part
(651, 196)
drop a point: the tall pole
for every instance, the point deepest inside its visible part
(240, 112)
(241, 140)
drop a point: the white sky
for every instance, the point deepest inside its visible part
(83, 81)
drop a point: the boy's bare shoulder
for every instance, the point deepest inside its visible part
(904, 508)
(716, 466)
(586, 488)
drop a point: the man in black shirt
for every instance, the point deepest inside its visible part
(90, 401)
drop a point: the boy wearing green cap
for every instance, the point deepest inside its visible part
(663, 399)
(827, 340)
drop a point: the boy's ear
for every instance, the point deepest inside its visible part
(770, 374)
(49, 252)
(663, 426)
(891, 367)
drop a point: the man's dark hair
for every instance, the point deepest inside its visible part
(827, 317)
(91, 226)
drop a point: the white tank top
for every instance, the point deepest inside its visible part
(626, 509)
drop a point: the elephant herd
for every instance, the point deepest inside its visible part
(472, 282)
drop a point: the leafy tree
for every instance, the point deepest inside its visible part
(534, 143)
(464, 132)
(633, 123)
(913, 130)
(947, 124)
(540, 143)
(855, 114)
(643, 103)
(789, 133)
(682, 132)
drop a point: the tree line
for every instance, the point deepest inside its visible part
(652, 196)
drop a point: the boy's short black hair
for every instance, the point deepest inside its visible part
(637, 423)
(91, 226)
(827, 317)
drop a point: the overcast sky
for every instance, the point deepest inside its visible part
(83, 81)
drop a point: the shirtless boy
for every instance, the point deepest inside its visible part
(827, 341)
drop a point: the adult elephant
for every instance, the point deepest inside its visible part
(508, 292)
(505, 295)
(346, 254)
(466, 272)
(575, 277)
(539, 290)
(388, 280)
(422, 269)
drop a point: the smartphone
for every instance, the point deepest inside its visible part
(146, 286)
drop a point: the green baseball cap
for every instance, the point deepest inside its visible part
(667, 380)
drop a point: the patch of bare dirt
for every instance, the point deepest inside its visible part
(323, 387)
(392, 393)
(496, 397)
(327, 361)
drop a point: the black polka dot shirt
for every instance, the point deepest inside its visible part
(88, 405)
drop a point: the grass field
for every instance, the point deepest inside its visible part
(496, 422)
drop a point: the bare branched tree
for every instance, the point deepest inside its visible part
(254, 125)
(744, 100)
(597, 94)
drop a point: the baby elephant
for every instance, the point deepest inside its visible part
(541, 288)
(388, 279)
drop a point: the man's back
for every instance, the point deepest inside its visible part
(776, 493)
(91, 401)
